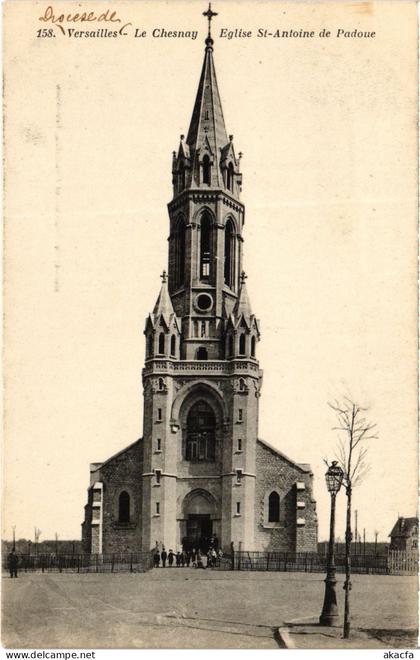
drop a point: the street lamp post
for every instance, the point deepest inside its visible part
(333, 478)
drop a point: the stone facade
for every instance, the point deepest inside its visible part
(296, 529)
(199, 471)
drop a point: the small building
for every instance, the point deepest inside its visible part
(405, 534)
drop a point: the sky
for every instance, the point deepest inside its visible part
(327, 129)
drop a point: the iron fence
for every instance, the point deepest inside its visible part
(134, 562)
(393, 563)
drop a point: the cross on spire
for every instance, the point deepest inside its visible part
(244, 276)
(163, 276)
(209, 14)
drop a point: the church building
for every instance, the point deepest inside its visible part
(200, 471)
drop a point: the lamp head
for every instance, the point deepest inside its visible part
(334, 478)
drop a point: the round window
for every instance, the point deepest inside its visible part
(204, 302)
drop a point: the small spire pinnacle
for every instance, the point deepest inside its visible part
(209, 14)
(164, 277)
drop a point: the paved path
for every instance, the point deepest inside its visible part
(185, 608)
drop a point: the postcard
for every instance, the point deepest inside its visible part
(210, 325)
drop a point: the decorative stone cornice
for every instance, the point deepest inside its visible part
(199, 196)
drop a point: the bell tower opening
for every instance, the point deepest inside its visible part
(229, 254)
(205, 247)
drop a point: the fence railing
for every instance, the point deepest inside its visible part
(401, 562)
(134, 562)
(393, 563)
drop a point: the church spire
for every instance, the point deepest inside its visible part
(207, 127)
(206, 158)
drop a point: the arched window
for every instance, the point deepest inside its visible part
(230, 254)
(274, 507)
(173, 346)
(150, 346)
(179, 256)
(229, 177)
(253, 343)
(161, 384)
(241, 384)
(242, 344)
(205, 238)
(201, 433)
(124, 507)
(206, 169)
(230, 345)
(161, 348)
(202, 353)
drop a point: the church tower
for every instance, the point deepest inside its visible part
(200, 476)
(201, 377)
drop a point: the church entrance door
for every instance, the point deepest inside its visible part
(199, 532)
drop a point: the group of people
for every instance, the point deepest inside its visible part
(181, 558)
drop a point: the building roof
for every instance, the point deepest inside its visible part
(98, 466)
(243, 305)
(304, 467)
(404, 527)
(207, 126)
(163, 309)
(163, 306)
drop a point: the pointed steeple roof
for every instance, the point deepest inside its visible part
(163, 307)
(243, 306)
(207, 126)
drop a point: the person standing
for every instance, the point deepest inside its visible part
(13, 564)
(164, 556)
(178, 559)
(157, 558)
(213, 557)
(170, 557)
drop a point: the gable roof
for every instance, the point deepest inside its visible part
(404, 526)
(303, 467)
(99, 466)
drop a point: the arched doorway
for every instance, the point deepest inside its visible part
(199, 509)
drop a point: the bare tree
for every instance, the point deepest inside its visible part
(355, 432)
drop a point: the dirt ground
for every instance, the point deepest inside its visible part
(189, 608)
